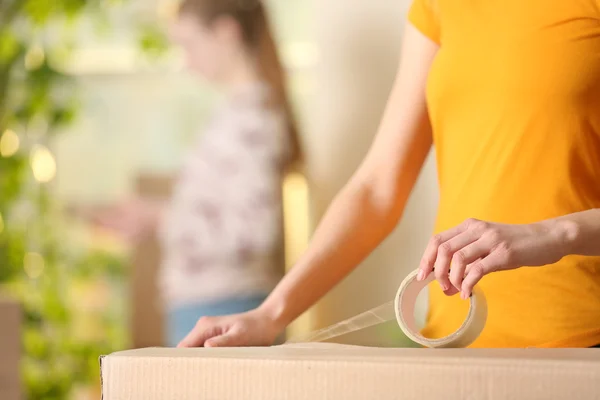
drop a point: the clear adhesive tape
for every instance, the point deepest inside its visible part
(404, 306)
(402, 309)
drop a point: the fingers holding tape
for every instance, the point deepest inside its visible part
(478, 270)
(463, 337)
(431, 254)
(448, 254)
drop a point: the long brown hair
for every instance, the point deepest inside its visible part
(251, 16)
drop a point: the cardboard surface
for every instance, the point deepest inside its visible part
(10, 349)
(325, 371)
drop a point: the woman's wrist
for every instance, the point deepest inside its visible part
(578, 233)
(566, 233)
(275, 310)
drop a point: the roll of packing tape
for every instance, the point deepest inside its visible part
(405, 302)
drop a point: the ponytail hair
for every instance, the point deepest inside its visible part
(252, 18)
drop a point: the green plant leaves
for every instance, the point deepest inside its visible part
(152, 40)
(37, 264)
(40, 11)
(9, 46)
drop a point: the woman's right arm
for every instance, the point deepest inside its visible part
(361, 216)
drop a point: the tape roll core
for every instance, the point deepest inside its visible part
(404, 306)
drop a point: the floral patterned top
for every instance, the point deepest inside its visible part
(222, 233)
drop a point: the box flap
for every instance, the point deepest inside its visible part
(329, 371)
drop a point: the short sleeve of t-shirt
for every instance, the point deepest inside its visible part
(424, 16)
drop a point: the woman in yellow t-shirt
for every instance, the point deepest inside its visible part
(509, 93)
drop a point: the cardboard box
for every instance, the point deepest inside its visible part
(10, 349)
(325, 371)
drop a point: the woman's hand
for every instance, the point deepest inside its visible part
(476, 248)
(253, 328)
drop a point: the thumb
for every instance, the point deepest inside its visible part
(229, 339)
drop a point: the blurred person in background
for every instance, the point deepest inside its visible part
(221, 233)
(509, 92)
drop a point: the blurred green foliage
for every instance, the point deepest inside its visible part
(63, 337)
(152, 40)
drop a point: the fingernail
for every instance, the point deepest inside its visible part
(444, 286)
(420, 275)
(463, 295)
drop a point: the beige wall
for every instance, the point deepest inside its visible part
(359, 44)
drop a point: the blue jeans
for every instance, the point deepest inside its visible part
(181, 320)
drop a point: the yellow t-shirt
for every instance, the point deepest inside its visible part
(514, 101)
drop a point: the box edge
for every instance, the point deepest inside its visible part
(101, 362)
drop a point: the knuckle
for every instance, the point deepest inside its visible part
(477, 225)
(477, 270)
(436, 240)
(239, 330)
(470, 222)
(202, 321)
(480, 226)
(459, 258)
(493, 234)
(445, 249)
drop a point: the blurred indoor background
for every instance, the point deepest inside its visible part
(95, 107)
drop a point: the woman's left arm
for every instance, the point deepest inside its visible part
(476, 248)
